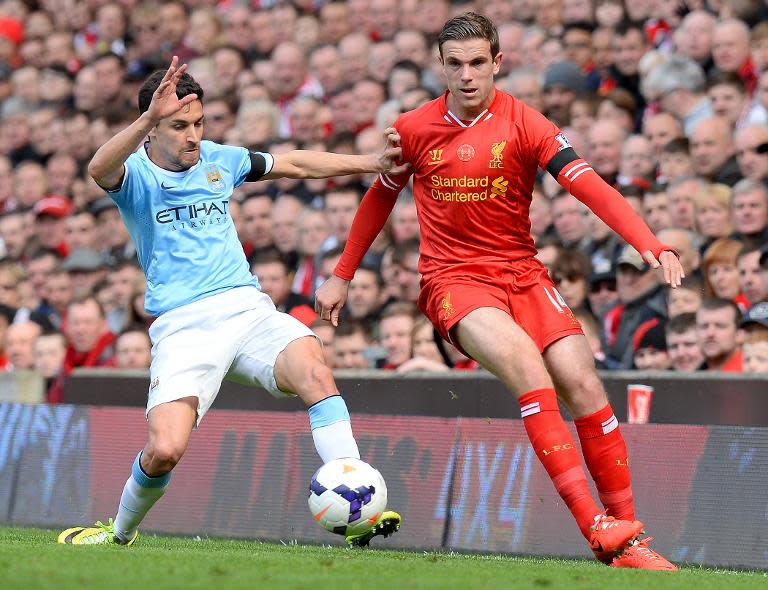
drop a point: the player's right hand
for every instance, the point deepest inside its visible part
(164, 100)
(389, 161)
(330, 297)
(668, 261)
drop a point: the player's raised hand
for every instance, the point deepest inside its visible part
(390, 159)
(668, 261)
(164, 101)
(330, 297)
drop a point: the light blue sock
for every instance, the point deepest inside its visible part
(139, 495)
(331, 429)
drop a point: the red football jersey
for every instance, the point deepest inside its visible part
(473, 179)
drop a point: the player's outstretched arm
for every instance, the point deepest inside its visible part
(107, 165)
(330, 297)
(577, 177)
(307, 164)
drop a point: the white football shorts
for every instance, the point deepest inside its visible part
(236, 334)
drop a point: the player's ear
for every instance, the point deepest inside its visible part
(497, 62)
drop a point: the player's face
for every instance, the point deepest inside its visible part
(469, 70)
(175, 141)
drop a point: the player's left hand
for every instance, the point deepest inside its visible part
(668, 261)
(392, 154)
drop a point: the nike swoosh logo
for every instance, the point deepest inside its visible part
(165, 188)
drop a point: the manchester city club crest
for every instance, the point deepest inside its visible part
(214, 177)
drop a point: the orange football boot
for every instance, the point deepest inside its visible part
(638, 555)
(609, 536)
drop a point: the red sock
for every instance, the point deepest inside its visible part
(557, 451)
(606, 456)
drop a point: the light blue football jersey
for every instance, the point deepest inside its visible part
(185, 238)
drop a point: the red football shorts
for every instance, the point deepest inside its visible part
(521, 288)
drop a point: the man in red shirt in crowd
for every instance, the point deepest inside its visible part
(474, 153)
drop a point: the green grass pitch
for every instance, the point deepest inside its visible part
(31, 559)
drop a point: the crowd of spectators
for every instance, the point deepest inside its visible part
(667, 99)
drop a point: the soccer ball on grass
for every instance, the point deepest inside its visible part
(347, 496)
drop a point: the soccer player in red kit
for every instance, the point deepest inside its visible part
(474, 154)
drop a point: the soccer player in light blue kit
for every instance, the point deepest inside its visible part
(173, 192)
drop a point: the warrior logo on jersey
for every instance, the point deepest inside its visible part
(214, 177)
(563, 141)
(465, 152)
(436, 156)
(497, 153)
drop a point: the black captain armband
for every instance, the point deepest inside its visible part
(261, 164)
(560, 160)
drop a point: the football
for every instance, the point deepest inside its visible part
(347, 496)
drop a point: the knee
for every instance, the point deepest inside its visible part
(162, 455)
(319, 377)
(588, 389)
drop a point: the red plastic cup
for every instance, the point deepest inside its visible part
(639, 403)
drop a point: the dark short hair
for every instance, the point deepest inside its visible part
(625, 26)
(337, 250)
(632, 190)
(469, 25)
(749, 250)
(350, 327)
(366, 266)
(187, 85)
(122, 263)
(110, 55)
(718, 78)
(401, 250)
(399, 308)
(571, 264)
(679, 145)
(681, 323)
(409, 66)
(270, 256)
(581, 25)
(693, 283)
(656, 188)
(715, 303)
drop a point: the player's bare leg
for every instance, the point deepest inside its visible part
(570, 362)
(300, 369)
(170, 426)
(500, 345)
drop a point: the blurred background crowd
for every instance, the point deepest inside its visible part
(668, 100)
